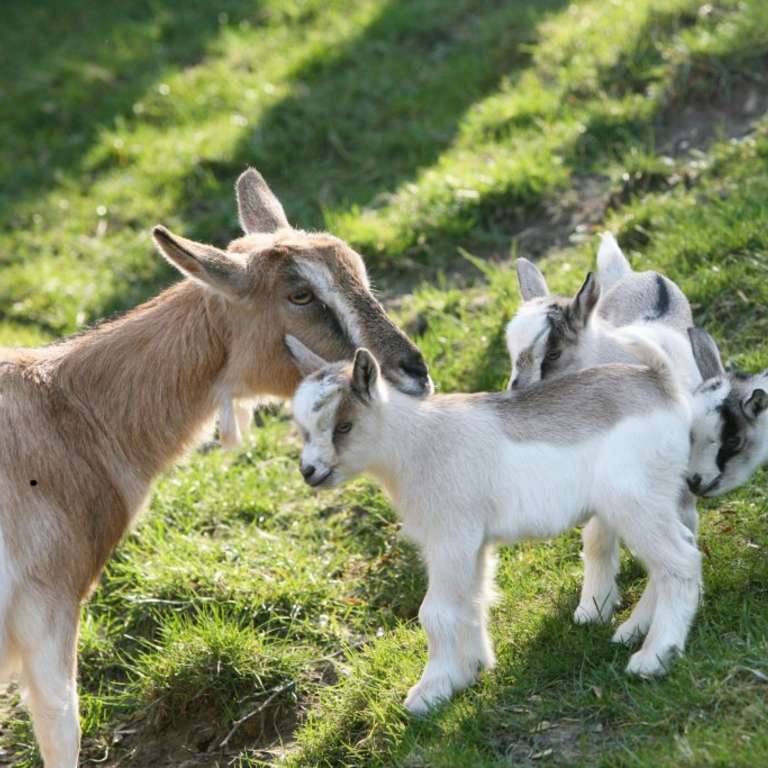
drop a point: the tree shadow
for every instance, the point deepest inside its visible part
(71, 70)
(369, 116)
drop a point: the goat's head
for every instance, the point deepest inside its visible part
(544, 337)
(729, 437)
(336, 408)
(277, 281)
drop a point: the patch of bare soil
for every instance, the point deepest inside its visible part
(567, 218)
(200, 741)
(560, 742)
(730, 112)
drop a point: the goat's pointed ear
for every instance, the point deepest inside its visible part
(706, 354)
(755, 404)
(583, 305)
(365, 375)
(305, 359)
(257, 207)
(204, 263)
(531, 281)
(612, 264)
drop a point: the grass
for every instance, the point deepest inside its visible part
(429, 134)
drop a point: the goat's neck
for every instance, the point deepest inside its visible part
(147, 382)
(402, 426)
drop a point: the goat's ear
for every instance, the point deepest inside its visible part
(755, 404)
(612, 264)
(204, 263)
(365, 375)
(583, 305)
(257, 207)
(706, 354)
(531, 281)
(305, 359)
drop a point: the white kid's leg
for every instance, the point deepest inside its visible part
(636, 626)
(454, 615)
(634, 629)
(668, 550)
(47, 638)
(599, 593)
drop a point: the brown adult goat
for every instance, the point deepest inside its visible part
(87, 423)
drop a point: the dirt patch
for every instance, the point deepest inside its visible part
(557, 742)
(729, 111)
(567, 218)
(193, 743)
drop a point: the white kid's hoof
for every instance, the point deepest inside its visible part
(590, 614)
(629, 633)
(650, 663)
(427, 694)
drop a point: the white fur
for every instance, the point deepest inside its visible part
(600, 342)
(612, 264)
(527, 333)
(461, 484)
(706, 433)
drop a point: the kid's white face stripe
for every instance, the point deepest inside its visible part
(314, 409)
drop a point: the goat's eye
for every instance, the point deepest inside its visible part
(733, 443)
(342, 429)
(553, 355)
(301, 297)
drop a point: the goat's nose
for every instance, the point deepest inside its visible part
(415, 366)
(514, 382)
(307, 470)
(694, 482)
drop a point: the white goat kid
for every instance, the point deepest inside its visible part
(468, 471)
(552, 335)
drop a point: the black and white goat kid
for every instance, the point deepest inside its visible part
(468, 471)
(729, 438)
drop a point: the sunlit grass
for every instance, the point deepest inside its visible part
(425, 133)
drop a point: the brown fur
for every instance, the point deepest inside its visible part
(87, 423)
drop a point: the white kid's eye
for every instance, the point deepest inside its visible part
(342, 429)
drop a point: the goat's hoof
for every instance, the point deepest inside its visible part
(650, 663)
(427, 694)
(589, 614)
(629, 633)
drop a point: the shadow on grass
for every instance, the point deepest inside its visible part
(365, 118)
(71, 69)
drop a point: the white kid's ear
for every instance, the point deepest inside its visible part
(531, 281)
(203, 263)
(257, 207)
(582, 306)
(755, 404)
(612, 264)
(706, 354)
(365, 374)
(305, 359)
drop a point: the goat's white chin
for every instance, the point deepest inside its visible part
(410, 386)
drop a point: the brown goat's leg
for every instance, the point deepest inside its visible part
(48, 674)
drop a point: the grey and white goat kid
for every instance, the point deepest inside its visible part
(468, 471)
(552, 335)
(729, 438)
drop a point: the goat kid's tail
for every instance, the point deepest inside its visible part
(612, 264)
(654, 357)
